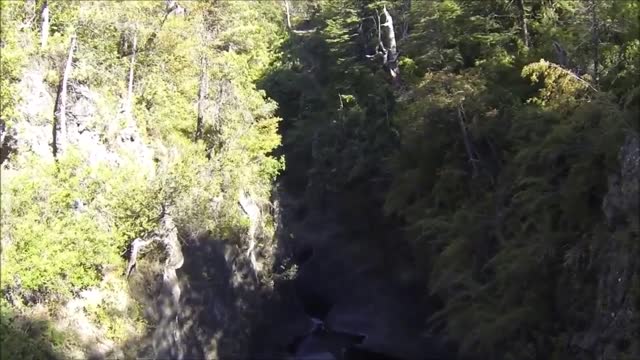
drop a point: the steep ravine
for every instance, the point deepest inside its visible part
(340, 303)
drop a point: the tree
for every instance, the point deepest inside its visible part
(202, 97)
(60, 110)
(523, 23)
(44, 32)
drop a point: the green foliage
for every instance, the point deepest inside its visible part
(26, 338)
(12, 58)
(49, 216)
(65, 225)
(120, 320)
(494, 150)
(497, 244)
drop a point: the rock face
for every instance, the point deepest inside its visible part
(613, 332)
(213, 315)
(95, 130)
(621, 202)
(100, 131)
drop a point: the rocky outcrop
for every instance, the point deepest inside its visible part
(93, 124)
(214, 312)
(613, 331)
(621, 202)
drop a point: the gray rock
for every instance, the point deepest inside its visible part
(615, 317)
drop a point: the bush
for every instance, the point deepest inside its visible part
(28, 339)
(63, 224)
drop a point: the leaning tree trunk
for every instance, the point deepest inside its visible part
(287, 13)
(60, 109)
(595, 39)
(44, 34)
(406, 10)
(131, 71)
(252, 210)
(202, 96)
(523, 23)
(467, 141)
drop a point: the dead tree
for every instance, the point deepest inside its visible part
(387, 49)
(562, 57)
(287, 13)
(30, 12)
(595, 39)
(405, 9)
(252, 210)
(131, 71)
(174, 8)
(468, 145)
(523, 23)
(60, 109)
(391, 52)
(202, 96)
(44, 30)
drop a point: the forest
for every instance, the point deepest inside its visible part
(488, 149)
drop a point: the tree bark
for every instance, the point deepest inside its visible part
(523, 23)
(467, 142)
(30, 11)
(561, 55)
(44, 34)
(596, 40)
(202, 96)
(131, 71)
(60, 109)
(288, 13)
(406, 10)
(390, 49)
(251, 209)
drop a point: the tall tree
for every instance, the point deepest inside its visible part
(523, 22)
(203, 89)
(287, 13)
(60, 108)
(134, 49)
(44, 26)
(595, 39)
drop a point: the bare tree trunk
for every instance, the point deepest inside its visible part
(406, 10)
(59, 112)
(252, 210)
(467, 143)
(523, 23)
(561, 55)
(391, 52)
(44, 34)
(30, 11)
(288, 13)
(202, 96)
(596, 40)
(131, 69)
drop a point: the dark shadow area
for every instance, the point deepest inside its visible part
(355, 272)
(219, 301)
(7, 142)
(23, 337)
(36, 337)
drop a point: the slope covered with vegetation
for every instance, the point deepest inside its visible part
(162, 116)
(498, 148)
(491, 145)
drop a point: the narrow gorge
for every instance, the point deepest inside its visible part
(320, 180)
